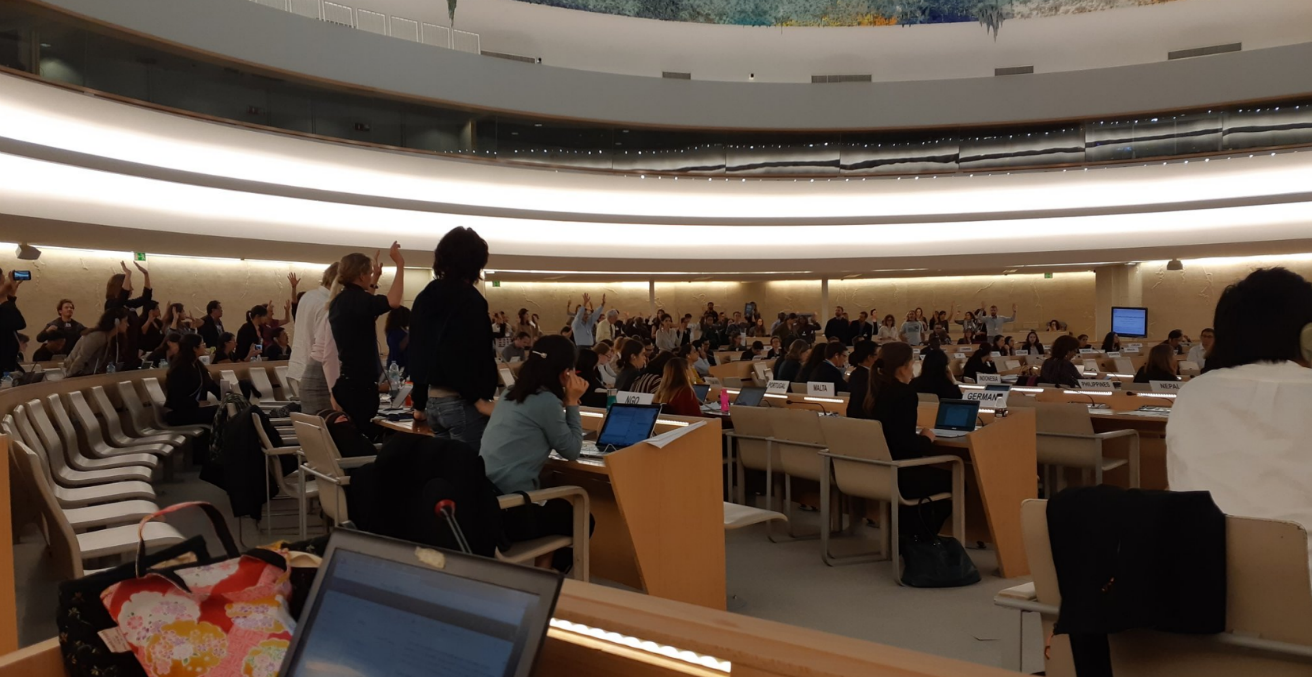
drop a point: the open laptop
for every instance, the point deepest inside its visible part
(380, 606)
(750, 397)
(701, 390)
(625, 426)
(998, 387)
(956, 418)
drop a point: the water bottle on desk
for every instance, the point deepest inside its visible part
(7, 381)
(724, 400)
(111, 368)
(394, 376)
(610, 397)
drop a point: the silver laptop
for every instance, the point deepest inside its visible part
(956, 418)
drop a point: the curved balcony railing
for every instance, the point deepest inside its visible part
(69, 51)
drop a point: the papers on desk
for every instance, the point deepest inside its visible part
(662, 440)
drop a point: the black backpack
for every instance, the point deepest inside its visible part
(348, 438)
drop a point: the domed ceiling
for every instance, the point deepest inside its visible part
(991, 13)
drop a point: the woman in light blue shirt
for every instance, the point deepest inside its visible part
(539, 414)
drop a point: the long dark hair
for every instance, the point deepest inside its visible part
(632, 349)
(186, 357)
(551, 356)
(109, 320)
(398, 318)
(1109, 342)
(256, 311)
(657, 364)
(813, 360)
(976, 360)
(935, 367)
(586, 365)
(892, 357)
(1064, 347)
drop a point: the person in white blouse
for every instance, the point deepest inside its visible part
(888, 331)
(302, 367)
(1198, 353)
(1242, 430)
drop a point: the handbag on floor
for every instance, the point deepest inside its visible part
(225, 618)
(81, 616)
(933, 561)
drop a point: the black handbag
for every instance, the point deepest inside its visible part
(82, 616)
(936, 561)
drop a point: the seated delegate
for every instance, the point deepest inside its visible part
(981, 362)
(830, 370)
(1241, 430)
(675, 391)
(935, 377)
(1058, 369)
(863, 360)
(187, 384)
(539, 414)
(1160, 366)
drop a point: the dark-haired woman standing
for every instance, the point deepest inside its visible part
(539, 415)
(452, 361)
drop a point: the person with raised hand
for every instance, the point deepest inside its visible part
(118, 294)
(353, 312)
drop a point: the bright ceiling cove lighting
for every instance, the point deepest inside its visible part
(1174, 264)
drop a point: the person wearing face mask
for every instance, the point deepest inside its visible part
(981, 362)
(1241, 430)
(63, 326)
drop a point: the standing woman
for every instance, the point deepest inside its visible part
(969, 325)
(397, 331)
(893, 402)
(633, 359)
(353, 310)
(452, 360)
(675, 390)
(887, 330)
(250, 334)
(539, 415)
(152, 327)
(98, 347)
(187, 383)
(118, 294)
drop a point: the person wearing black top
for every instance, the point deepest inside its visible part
(757, 350)
(167, 350)
(789, 367)
(187, 383)
(248, 336)
(118, 294)
(226, 350)
(452, 360)
(831, 369)
(862, 328)
(11, 322)
(633, 359)
(586, 367)
(152, 327)
(935, 378)
(1160, 365)
(809, 366)
(279, 347)
(1111, 343)
(893, 402)
(1035, 346)
(353, 312)
(49, 349)
(863, 360)
(839, 326)
(211, 328)
(981, 362)
(64, 327)
(1057, 369)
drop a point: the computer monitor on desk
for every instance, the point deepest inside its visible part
(385, 607)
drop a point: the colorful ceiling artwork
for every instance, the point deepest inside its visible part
(991, 13)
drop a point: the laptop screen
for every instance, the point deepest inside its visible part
(957, 415)
(750, 397)
(377, 616)
(701, 390)
(995, 387)
(628, 424)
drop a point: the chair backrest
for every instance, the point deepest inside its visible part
(154, 391)
(25, 431)
(281, 373)
(859, 438)
(230, 377)
(113, 425)
(85, 417)
(266, 445)
(321, 455)
(927, 398)
(1063, 417)
(260, 379)
(754, 421)
(799, 426)
(59, 415)
(63, 542)
(56, 451)
(1268, 595)
(136, 410)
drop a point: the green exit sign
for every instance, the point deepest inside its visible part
(140, 256)
(1047, 276)
(496, 283)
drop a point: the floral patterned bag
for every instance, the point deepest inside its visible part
(226, 619)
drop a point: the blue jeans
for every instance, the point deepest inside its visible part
(453, 418)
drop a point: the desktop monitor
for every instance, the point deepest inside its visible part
(1132, 322)
(380, 606)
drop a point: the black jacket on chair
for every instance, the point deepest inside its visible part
(1135, 559)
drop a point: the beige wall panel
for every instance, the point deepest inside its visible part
(1186, 299)
(548, 299)
(1068, 297)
